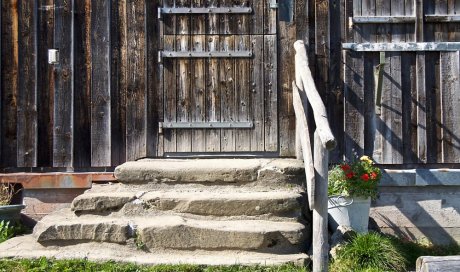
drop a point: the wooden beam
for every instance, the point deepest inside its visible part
(400, 47)
(442, 18)
(303, 143)
(320, 237)
(308, 85)
(383, 19)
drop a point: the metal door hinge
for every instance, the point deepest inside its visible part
(273, 4)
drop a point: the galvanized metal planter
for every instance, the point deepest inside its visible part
(11, 213)
(347, 211)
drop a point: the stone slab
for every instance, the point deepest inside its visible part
(438, 264)
(280, 203)
(175, 232)
(27, 247)
(207, 170)
(437, 177)
(419, 212)
(98, 202)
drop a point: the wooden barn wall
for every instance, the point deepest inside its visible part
(420, 117)
(100, 106)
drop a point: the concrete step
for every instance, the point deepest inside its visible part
(213, 201)
(26, 247)
(212, 171)
(174, 232)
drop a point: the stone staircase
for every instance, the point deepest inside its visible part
(220, 211)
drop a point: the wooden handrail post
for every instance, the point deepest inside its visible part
(320, 214)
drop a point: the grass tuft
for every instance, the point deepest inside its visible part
(370, 252)
(50, 265)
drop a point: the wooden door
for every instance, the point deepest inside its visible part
(219, 71)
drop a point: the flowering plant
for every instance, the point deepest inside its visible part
(356, 179)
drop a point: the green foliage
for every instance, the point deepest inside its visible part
(412, 250)
(359, 179)
(48, 265)
(369, 252)
(8, 230)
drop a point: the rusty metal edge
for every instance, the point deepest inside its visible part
(57, 180)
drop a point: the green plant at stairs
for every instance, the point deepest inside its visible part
(138, 241)
(8, 230)
(369, 252)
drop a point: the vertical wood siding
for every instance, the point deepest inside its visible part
(420, 104)
(101, 105)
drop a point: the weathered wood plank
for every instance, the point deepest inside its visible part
(242, 91)
(63, 135)
(242, 88)
(287, 144)
(170, 94)
(354, 105)
(227, 87)
(383, 19)
(433, 110)
(335, 94)
(136, 93)
(212, 97)
(430, 18)
(450, 87)
(184, 137)
(271, 93)
(402, 46)
(409, 107)
(82, 86)
(9, 88)
(118, 81)
(270, 18)
(153, 76)
(371, 120)
(198, 80)
(420, 86)
(27, 89)
(257, 18)
(257, 94)
(45, 89)
(227, 23)
(392, 96)
(450, 99)
(100, 86)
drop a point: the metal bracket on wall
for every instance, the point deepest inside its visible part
(220, 10)
(208, 125)
(378, 87)
(190, 54)
(273, 4)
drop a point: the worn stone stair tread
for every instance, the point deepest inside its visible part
(201, 202)
(173, 232)
(209, 171)
(27, 247)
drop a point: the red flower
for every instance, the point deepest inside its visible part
(373, 175)
(365, 177)
(350, 175)
(345, 167)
